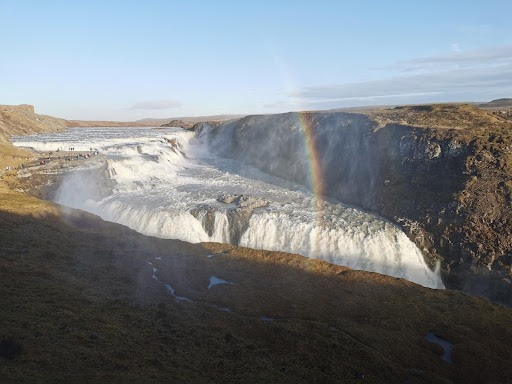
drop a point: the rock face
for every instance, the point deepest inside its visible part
(17, 120)
(178, 124)
(43, 181)
(238, 216)
(243, 203)
(442, 172)
(206, 215)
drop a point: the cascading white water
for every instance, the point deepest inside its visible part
(221, 231)
(157, 187)
(380, 249)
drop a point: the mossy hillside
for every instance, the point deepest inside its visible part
(80, 301)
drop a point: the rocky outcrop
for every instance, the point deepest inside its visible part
(176, 146)
(238, 216)
(17, 120)
(178, 124)
(206, 215)
(243, 203)
(442, 172)
(43, 181)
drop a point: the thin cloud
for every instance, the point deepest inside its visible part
(472, 73)
(155, 104)
(484, 55)
(455, 48)
(458, 58)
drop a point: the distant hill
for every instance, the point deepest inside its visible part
(98, 123)
(151, 122)
(189, 119)
(498, 103)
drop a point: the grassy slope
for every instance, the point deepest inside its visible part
(82, 277)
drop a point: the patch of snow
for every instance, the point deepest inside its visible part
(447, 346)
(215, 280)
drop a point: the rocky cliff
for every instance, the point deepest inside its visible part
(443, 172)
(17, 120)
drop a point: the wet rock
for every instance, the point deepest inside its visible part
(228, 199)
(243, 202)
(176, 146)
(238, 217)
(206, 215)
(249, 202)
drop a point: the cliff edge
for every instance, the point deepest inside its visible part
(443, 172)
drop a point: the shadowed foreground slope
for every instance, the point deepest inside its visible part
(80, 299)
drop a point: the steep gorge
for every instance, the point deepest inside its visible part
(442, 172)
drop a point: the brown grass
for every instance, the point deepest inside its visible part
(89, 310)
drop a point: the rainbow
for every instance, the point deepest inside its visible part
(315, 173)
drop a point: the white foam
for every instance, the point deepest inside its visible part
(378, 248)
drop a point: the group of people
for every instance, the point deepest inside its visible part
(80, 156)
(44, 161)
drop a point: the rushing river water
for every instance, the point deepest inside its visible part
(161, 175)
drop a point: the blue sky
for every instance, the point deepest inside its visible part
(126, 60)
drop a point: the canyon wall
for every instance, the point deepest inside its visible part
(441, 172)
